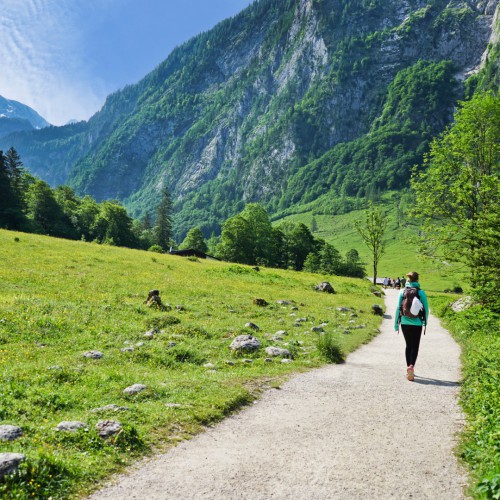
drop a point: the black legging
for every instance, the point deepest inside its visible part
(412, 335)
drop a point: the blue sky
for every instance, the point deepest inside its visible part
(63, 57)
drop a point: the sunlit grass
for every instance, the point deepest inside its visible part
(62, 298)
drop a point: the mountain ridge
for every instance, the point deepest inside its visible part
(241, 112)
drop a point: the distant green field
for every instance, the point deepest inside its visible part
(60, 299)
(401, 253)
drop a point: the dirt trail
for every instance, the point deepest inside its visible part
(353, 431)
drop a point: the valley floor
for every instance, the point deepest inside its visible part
(352, 431)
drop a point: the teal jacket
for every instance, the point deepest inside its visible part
(404, 319)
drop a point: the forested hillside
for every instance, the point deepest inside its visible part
(290, 102)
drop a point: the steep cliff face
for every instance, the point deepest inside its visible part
(242, 112)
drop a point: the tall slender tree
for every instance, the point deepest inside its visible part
(163, 226)
(372, 232)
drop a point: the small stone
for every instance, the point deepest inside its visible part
(71, 426)
(127, 349)
(173, 405)
(317, 329)
(93, 354)
(208, 365)
(353, 315)
(251, 325)
(9, 463)
(55, 368)
(377, 310)
(139, 344)
(111, 408)
(10, 432)
(108, 428)
(230, 363)
(135, 389)
(281, 332)
(248, 361)
(260, 302)
(268, 360)
(284, 302)
(287, 360)
(343, 309)
(150, 335)
(294, 308)
(278, 351)
(180, 308)
(292, 315)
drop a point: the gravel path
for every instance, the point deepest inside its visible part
(353, 431)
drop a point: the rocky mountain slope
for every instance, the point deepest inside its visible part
(290, 102)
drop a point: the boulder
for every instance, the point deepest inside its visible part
(10, 432)
(108, 428)
(278, 351)
(93, 354)
(325, 287)
(135, 389)
(9, 463)
(245, 343)
(377, 310)
(71, 426)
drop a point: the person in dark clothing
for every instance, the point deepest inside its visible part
(411, 327)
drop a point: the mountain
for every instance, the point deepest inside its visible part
(17, 117)
(291, 102)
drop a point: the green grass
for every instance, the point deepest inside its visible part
(478, 333)
(402, 241)
(61, 298)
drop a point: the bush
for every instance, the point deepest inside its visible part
(329, 348)
(156, 248)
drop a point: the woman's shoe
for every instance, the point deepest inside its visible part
(410, 373)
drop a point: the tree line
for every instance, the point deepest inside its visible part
(29, 204)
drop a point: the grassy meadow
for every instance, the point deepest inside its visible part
(61, 298)
(402, 241)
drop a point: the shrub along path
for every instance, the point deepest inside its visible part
(357, 430)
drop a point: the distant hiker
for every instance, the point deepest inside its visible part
(386, 282)
(397, 283)
(403, 282)
(412, 313)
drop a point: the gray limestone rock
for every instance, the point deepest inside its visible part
(71, 426)
(246, 343)
(278, 351)
(108, 428)
(9, 463)
(135, 389)
(10, 432)
(93, 354)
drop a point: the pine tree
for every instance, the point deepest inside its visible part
(163, 227)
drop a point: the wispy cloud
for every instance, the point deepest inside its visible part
(41, 58)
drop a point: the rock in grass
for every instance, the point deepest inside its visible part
(278, 351)
(287, 360)
(10, 432)
(377, 310)
(110, 408)
(325, 286)
(71, 426)
(93, 354)
(135, 389)
(127, 349)
(246, 343)
(251, 325)
(9, 463)
(108, 428)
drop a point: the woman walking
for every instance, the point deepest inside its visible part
(412, 313)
